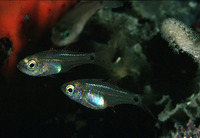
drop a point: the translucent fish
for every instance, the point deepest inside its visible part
(97, 94)
(73, 22)
(56, 61)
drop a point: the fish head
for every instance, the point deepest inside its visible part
(61, 37)
(79, 91)
(31, 66)
(73, 90)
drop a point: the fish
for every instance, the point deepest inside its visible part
(72, 23)
(57, 61)
(97, 95)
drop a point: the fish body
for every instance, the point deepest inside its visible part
(53, 61)
(73, 22)
(97, 94)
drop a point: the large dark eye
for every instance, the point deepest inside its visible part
(66, 34)
(31, 64)
(70, 88)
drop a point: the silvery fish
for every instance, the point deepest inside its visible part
(97, 94)
(56, 61)
(73, 22)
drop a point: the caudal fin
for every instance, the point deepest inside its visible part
(104, 58)
(146, 109)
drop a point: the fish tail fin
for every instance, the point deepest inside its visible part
(138, 100)
(111, 4)
(147, 99)
(146, 109)
(104, 58)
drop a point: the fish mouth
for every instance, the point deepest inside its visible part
(56, 40)
(19, 65)
(63, 87)
(22, 66)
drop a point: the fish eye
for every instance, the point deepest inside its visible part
(66, 33)
(31, 65)
(70, 88)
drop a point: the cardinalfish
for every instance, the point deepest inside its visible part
(73, 22)
(57, 61)
(96, 94)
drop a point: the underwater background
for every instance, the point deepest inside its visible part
(142, 63)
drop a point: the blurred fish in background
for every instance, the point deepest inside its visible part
(72, 23)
